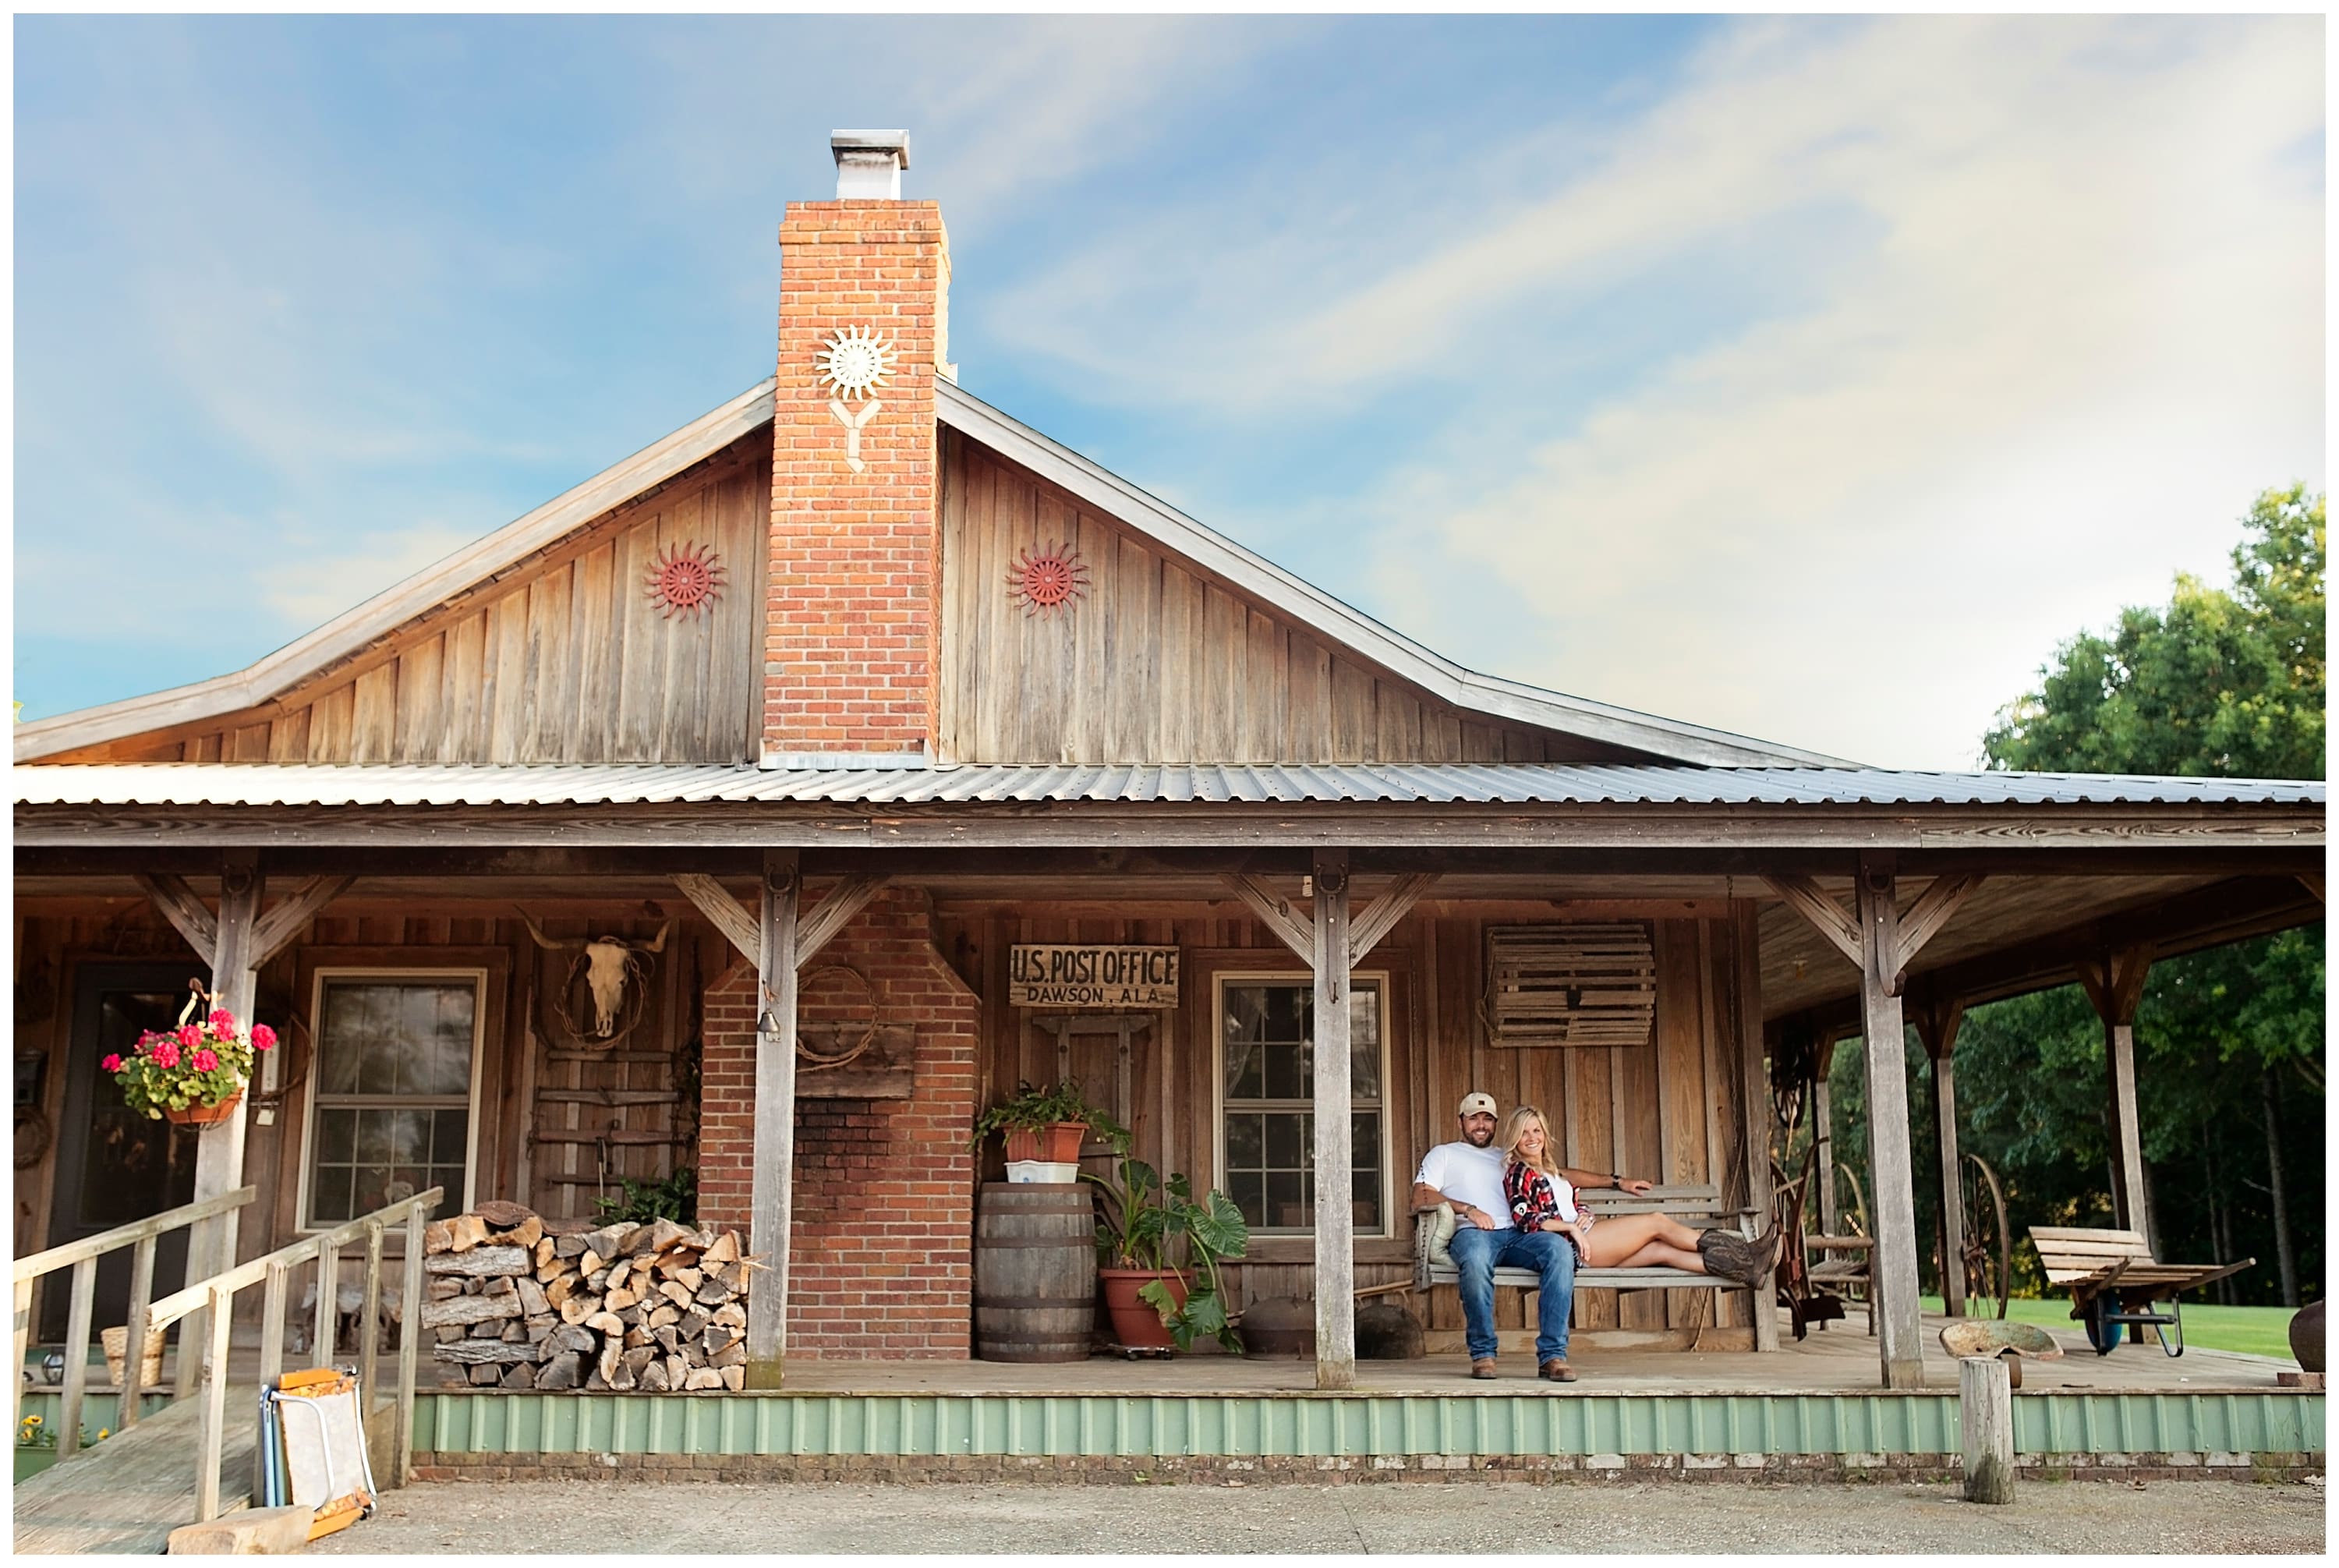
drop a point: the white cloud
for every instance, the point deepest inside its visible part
(2073, 322)
(311, 589)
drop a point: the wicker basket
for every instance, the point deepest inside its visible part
(117, 1349)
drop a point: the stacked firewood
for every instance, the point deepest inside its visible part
(516, 1303)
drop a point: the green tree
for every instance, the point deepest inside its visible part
(2226, 682)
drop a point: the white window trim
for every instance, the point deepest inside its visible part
(1376, 978)
(479, 979)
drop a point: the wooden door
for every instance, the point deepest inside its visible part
(114, 1165)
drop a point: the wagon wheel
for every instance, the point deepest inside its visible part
(1986, 1249)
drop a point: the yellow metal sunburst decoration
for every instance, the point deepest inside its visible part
(856, 361)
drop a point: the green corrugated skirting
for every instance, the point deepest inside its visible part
(1100, 1426)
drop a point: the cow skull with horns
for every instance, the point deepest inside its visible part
(608, 962)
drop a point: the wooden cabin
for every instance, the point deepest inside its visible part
(813, 712)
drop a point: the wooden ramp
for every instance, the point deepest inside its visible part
(130, 1491)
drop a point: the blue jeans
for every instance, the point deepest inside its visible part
(1478, 1253)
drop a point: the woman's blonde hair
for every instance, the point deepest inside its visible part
(1514, 1127)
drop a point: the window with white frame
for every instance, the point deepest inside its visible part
(1266, 1054)
(390, 1110)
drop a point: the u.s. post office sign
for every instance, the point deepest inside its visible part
(1109, 978)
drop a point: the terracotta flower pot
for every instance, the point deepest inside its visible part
(1058, 1144)
(206, 1115)
(1136, 1323)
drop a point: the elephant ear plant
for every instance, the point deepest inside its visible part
(1160, 1225)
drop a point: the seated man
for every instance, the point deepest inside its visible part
(1468, 1174)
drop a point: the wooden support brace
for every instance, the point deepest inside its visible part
(1380, 917)
(183, 909)
(845, 900)
(1940, 900)
(741, 928)
(1280, 915)
(1827, 916)
(280, 925)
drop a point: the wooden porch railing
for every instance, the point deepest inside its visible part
(274, 1273)
(81, 1258)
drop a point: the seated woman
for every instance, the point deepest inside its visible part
(1543, 1198)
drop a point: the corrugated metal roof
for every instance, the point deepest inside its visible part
(265, 783)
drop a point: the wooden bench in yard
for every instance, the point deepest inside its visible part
(1699, 1207)
(2113, 1281)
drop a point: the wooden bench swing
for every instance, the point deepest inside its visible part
(1699, 1207)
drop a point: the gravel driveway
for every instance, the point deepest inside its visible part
(570, 1516)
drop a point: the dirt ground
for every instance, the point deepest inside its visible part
(570, 1516)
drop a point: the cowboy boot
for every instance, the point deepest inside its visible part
(1729, 1257)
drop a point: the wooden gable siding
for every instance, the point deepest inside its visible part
(1157, 661)
(564, 659)
(1672, 1112)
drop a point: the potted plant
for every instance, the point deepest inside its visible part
(1045, 1124)
(192, 1075)
(1158, 1249)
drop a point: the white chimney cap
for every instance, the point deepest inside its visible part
(869, 164)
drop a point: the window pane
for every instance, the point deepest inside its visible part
(1246, 1142)
(337, 1137)
(1245, 1070)
(1365, 1015)
(1270, 1162)
(447, 1137)
(1285, 1149)
(1285, 1207)
(1245, 1014)
(328, 1196)
(1248, 1190)
(1287, 1071)
(444, 1066)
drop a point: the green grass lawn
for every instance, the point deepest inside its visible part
(2256, 1330)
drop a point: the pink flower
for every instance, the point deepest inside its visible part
(206, 1061)
(262, 1038)
(146, 1042)
(166, 1055)
(222, 1022)
(190, 1036)
(111, 1064)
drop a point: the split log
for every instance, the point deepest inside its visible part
(703, 1377)
(526, 1233)
(611, 1239)
(731, 1355)
(714, 1292)
(608, 1323)
(665, 1233)
(439, 1237)
(677, 1371)
(479, 1262)
(569, 1245)
(673, 1290)
(618, 1298)
(450, 1331)
(591, 1264)
(571, 1337)
(731, 1314)
(500, 1215)
(637, 1339)
(653, 1379)
(577, 1308)
(462, 1309)
(560, 1372)
(723, 1248)
(735, 1378)
(662, 1315)
(620, 1378)
(690, 1279)
(611, 1359)
(693, 1323)
(619, 1273)
(522, 1376)
(639, 1356)
(440, 1289)
(484, 1376)
(485, 1353)
(532, 1300)
(465, 1231)
(548, 1252)
(559, 1290)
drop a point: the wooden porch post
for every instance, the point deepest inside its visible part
(2114, 983)
(1895, 1220)
(771, 1193)
(1336, 1262)
(1936, 1026)
(219, 1148)
(1823, 1135)
(1746, 967)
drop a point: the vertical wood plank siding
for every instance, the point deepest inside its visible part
(1156, 663)
(1681, 1104)
(567, 658)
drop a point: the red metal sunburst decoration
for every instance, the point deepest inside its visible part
(685, 579)
(1048, 581)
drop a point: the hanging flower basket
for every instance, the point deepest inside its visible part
(193, 1075)
(204, 1115)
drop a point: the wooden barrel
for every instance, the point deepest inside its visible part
(1034, 1271)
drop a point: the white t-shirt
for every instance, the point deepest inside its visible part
(1467, 1174)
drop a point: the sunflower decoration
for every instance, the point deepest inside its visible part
(685, 579)
(1047, 581)
(856, 361)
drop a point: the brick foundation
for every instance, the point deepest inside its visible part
(881, 1269)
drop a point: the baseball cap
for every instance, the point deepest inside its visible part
(1476, 1104)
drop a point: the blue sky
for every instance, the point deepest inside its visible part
(1807, 378)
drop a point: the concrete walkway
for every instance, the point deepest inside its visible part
(569, 1517)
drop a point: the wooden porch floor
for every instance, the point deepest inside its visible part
(1840, 1359)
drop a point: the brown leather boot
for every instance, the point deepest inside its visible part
(1482, 1368)
(1557, 1370)
(1729, 1257)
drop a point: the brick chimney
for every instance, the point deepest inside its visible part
(850, 660)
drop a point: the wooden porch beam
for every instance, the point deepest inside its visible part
(771, 1195)
(183, 909)
(1380, 917)
(1894, 1262)
(1336, 1254)
(1282, 917)
(845, 900)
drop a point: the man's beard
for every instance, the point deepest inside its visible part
(1478, 1141)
